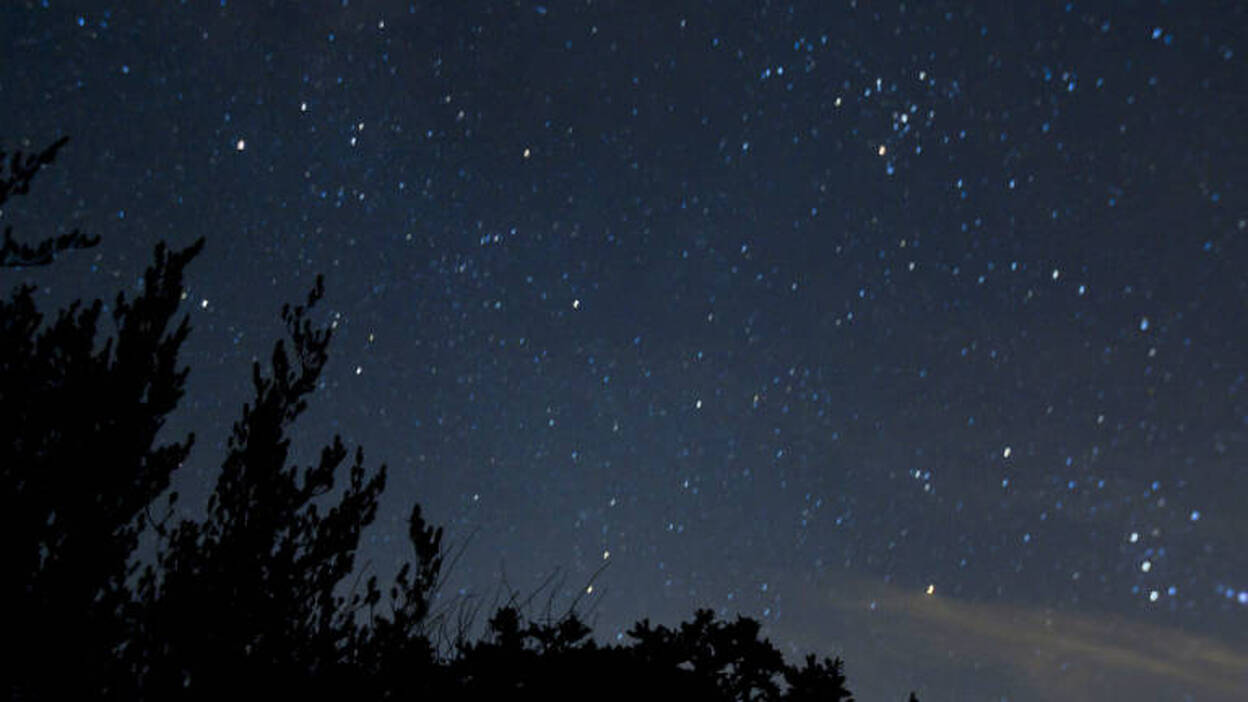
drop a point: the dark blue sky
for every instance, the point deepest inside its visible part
(915, 330)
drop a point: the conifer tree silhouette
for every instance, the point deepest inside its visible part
(248, 601)
(78, 467)
(246, 596)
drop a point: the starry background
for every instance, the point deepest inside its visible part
(915, 330)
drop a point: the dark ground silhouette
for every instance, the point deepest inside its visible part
(246, 601)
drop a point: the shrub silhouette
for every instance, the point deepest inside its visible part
(702, 659)
(255, 598)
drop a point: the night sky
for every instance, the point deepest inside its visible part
(916, 331)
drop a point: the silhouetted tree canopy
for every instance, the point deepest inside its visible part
(255, 597)
(702, 659)
(78, 463)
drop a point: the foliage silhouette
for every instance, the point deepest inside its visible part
(252, 589)
(703, 659)
(78, 464)
(255, 597)
(22, 169)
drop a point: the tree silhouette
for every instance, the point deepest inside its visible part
(256, 598)
(249, 597)
(702, 659)
(735, 661)
(251, 587)
(22, 168)
(78, 464)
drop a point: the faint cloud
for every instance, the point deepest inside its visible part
(946, 647)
